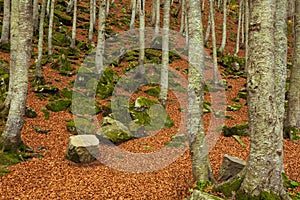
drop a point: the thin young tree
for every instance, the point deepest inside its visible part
(213, 39)
(157, 19)
(142, 36)
(92, 23)
(21, 36)
(107, 8)
(50, 27)
(6, 23)
(263, 172)
(38, 69)
(73, 41)
(208, 28)
(195, 128)
(293, 114)
(165, 55)
(224, 27)
(100, 38)
(133, 13)
(153, 8)
(35, 16)
(237, 48)
(183, 16)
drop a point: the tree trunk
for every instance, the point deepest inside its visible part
(165, 55)
(142, 36)
(237, 48)
(91, 28)
(157, 20)
(74, 25)
(133, 11)
(22, 28)
(263, 172)
(50, 27)
(293, 122)
(107, 8)
(224, 27)
(48, 8)
(183, 16)
(6, 22)
(38, 69)
(195, 128)
(153, 7)
(207, 33)
(70, 6)
(213, 38)
(35, 16)
(101, 38)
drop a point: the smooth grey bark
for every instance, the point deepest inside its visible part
(142, 37)
(213, 38)
(183, 16)
(6, 23)
(178, 9)
(133, 13)
(280, 38)
(38, 68)
(165, 55)
(207, 33)
(73, 41)
(263, 172)
(50, 27)
(153, 8)
(293, 116)
(35, 15)
(91, 27)
(195, 127)
(48, 8)
(22, 14)
(237, 48)
(157, 19)
(100, 38)
(224, 27)
(107, 8)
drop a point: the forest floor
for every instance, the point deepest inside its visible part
(54, 177)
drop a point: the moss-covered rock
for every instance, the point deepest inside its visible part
(114, 131)
(154, 91)
(240, 130)
(234, 107)
(65, 19)
(107, 83)
(207, 107)
(82, 148)
(81, 125)
(67, 93)
(228, 187)
(63, 65)
(83, 104)
(30, 113)
(58, 105)
(46, 89)
(233, 65)
(262, 196)
(46, 113)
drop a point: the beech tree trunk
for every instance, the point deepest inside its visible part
(263, 172)
(165, 54)
(237, 48)
(133, 13)
(213, 38)
(38, 69)
(35, 15)
(21, 32)
(224, 27)
(101, 38)
(6, 23)
(293, 122)
(73, 41)
(183, 16)
(92, 22)
(195, 128)
(153, 8)
(142, 36)
(157, 19)
(50, 27)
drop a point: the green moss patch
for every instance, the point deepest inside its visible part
(107, 83)
(229, 187)
(58, 105)
(234, 107)
(240, 130)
